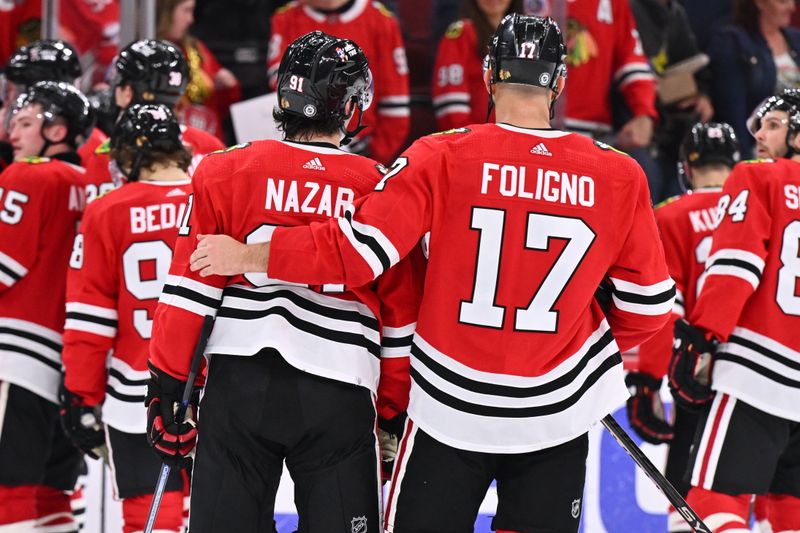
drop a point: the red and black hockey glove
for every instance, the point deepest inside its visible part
(82, 423)
(690, 367)
(174, 440)
(646, 410)
(390, 433)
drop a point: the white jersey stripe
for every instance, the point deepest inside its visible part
(90, 327)
(399, 472)
(449, 110)
(363, 250)
(449, 98)
(13, 265)
(735, 271)
(642, 309)
(719, 440)
(739, 255)
(6, 280)
(395, 99)
(394, 111)
(642, 290)
(102, 312)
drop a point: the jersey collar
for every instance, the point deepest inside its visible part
(547, 133)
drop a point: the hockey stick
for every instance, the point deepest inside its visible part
(655, 475)
(161, 486)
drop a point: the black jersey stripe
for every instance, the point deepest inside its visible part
(494, 389)
(342, 337)
(516, 412)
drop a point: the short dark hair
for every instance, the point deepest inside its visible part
(125, 155)
(746, 14)
(297, 127)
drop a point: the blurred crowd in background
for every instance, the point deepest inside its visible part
(641, 71)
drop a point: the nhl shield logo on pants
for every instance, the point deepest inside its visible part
(358, 524)
(576, 508)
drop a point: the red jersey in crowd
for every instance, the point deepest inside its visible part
(372, 27)
(685, 224)
(511, 353)
(604, 50)
(98, 174)
(20, 24)
(92, 26)
(750, 297)
(94, 141)
(351, 334)
(459, 93)
(41, 201)
(119, 264)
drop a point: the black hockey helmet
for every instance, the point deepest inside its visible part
(43, 60)
(789, 101)
(59, 100)
(705, 144)
(710, 142)
(529, 50)
(145, 128)
(105, 110)
(319, 74)
(157, 72)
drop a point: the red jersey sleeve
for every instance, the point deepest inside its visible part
(373, 234)
(632, 72)
(738, 253)
(400, 292)
(92, 292)
(654, 353)
(451, 93)
(25, 204)
(642, 291)
(187, 298)
(390, 72)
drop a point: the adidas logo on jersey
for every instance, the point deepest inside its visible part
(176, 192)
(314, 164)
(541, 149)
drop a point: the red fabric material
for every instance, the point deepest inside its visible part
(17, 504)
(708, 503)
(783, 512)
(53, 507)
(170, 514)
(710, 445)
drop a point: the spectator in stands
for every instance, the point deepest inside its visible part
(211, 88)
(92, 26)
(459, 94)
(604, 52)
(752, 58)
(667, 39)
(705, 17)
(376, 30)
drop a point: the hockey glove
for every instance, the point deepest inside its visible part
(690, 367)
(82, 424)
(174, 440)
(390, 432)
(645, 409)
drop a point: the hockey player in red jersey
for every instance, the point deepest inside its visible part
(146, 72)
(708, 154)
(42, 198)
(117, 269)
(513, 359)
(745, 321)
(377, 32)
(295, 368)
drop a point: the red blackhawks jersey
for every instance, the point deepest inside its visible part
(459, 94)
(41, 201)
(604, 50)
(118, 268)
(95, 140)
(511, 353)
(750, 297)
(370, 25)
(98, 173)
(343, 333)
(685, 224)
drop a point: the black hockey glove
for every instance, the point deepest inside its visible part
(174, 440)
(82, 423)
(645, 409)
(690, 367)
(390, 433)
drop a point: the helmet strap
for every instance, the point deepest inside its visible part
(349, 134)
(136, 166)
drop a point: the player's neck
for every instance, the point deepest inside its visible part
(171, 173)
(709, 178)
(334, 139)
(522, 109)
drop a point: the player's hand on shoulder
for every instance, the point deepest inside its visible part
(646, 410)
(81, 423)
(222, 255)
(690, 367)
(174, 440)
